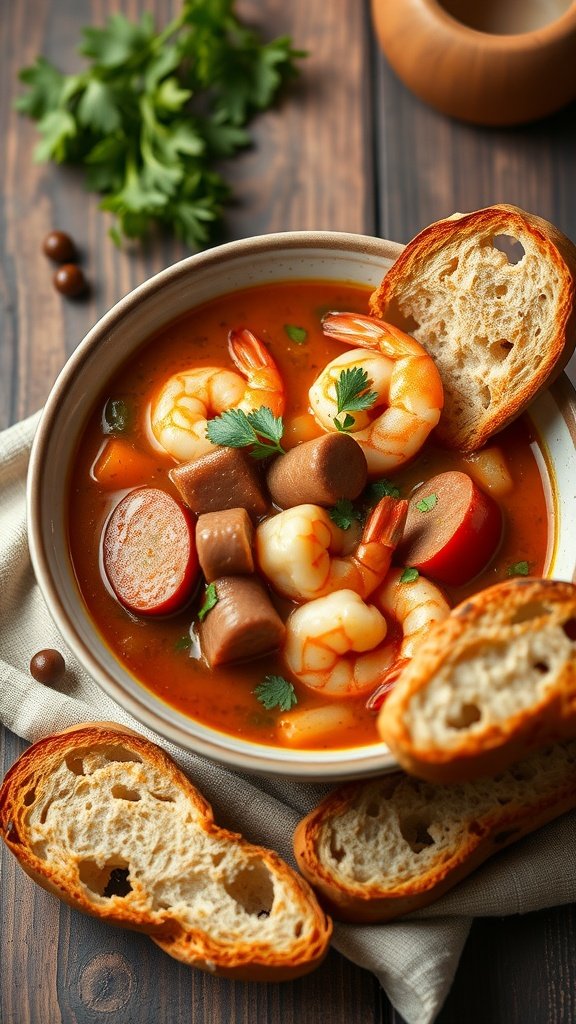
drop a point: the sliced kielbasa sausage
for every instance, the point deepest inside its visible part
(242, 624)
(453, 529)
(224, 478)
(318, 472)
(224, 543)
(149, 553)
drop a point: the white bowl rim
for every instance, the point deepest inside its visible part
(256, 758)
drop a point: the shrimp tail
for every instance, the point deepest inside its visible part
(353, 329)
(256, 364)
(248, 353)
(381, 535)
(364, 331)
(386, 522)
(376, 699)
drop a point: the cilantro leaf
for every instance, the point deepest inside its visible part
(519, 569)
(352, 390)
(154, 109)
(210, 600)
(427, 503)
(259, 430)
(97, 108)
(276, 692)
(299, 335)
(45, 89)
(344, 513)
(409, 574)
(347, 422)
(382, 489)
(352, 395)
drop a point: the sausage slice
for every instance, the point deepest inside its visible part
(224, 543)
(242, 624)
(318, 472)
(224, 478)
(452, 530)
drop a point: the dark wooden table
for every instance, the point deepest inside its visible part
(348, 149)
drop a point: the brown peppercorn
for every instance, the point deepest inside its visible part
(47, 666)
(69, 280)
(59, 247)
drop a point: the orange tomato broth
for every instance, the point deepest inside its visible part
(153, 650)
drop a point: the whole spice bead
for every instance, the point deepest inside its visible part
(69, 280)
(59, 247)
(47, 666)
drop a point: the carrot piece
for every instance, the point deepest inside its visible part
(150, 553)
(120, 464)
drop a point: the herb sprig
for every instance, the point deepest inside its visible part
(260, 431)
(155, 110)
(352, 395)
(344, 513)
(276, 692)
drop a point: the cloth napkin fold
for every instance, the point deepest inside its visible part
(414, 959)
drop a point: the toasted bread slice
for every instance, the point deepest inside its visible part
(489, 685)
(107, 821)
(498, 331)
(379, 849)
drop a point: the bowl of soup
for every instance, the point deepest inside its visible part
(243, 618)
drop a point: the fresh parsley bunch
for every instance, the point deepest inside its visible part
(154, 111)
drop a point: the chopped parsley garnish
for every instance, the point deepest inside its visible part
(276, 692)
(382, 489)
(518, 569)
(153, 113)
(428, 503)
(409, 575)
(299, 335)
(344, 513)
(259, 430)
(116, 416)
(352, 395)
(210, 600)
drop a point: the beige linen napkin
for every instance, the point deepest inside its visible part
(415, 960)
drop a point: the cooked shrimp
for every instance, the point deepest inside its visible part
(340, 645)
(300, 550)
(415, 606)
(402, 374)
(330, 644)
(185, 403)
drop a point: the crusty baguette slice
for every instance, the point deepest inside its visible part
(499, 332)
(489, 685)
(379, 849)
(107, 821)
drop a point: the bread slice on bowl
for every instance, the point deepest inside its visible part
(490, 295)
(493, 682)
(106, 821)
(379, 849)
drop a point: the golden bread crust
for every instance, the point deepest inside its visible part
(493, 682)
(74, 758)
(483, 820)
(484, 337)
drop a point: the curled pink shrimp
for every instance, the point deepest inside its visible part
(188, 399)
(300, 550)
(403, 376)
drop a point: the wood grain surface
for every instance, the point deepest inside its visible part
(348, 148)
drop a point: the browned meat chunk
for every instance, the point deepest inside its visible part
(320, 471)
(242, 624)
(224, 543)
(224, 478)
